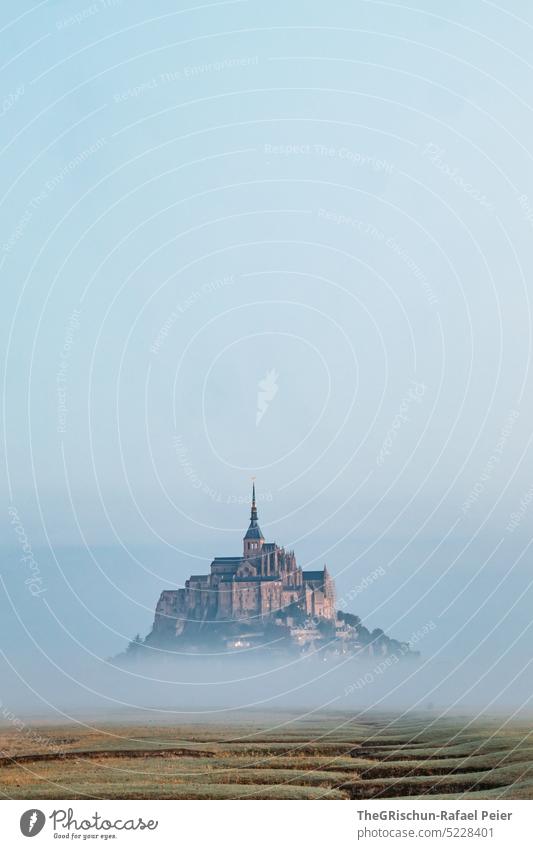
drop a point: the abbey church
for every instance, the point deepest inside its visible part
(253, 587)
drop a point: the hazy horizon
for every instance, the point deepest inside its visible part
(290, 242)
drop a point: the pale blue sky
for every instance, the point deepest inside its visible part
(338, 193)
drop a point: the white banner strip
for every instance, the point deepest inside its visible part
(267, 824)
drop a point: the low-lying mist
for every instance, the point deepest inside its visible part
(179, 688)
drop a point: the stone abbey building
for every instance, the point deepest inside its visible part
(253, 587)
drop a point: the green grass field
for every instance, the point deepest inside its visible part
(326, 756)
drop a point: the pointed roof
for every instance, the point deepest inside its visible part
(254, 531)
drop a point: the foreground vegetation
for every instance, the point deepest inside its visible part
(326, 756)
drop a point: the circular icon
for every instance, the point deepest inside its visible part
(32, 822)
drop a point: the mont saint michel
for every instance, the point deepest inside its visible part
(262, 599)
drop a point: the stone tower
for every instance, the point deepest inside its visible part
(253, 539)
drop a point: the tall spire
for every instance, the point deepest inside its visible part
(253, 514)
(253, 539)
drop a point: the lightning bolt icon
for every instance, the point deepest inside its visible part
(33, 820)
